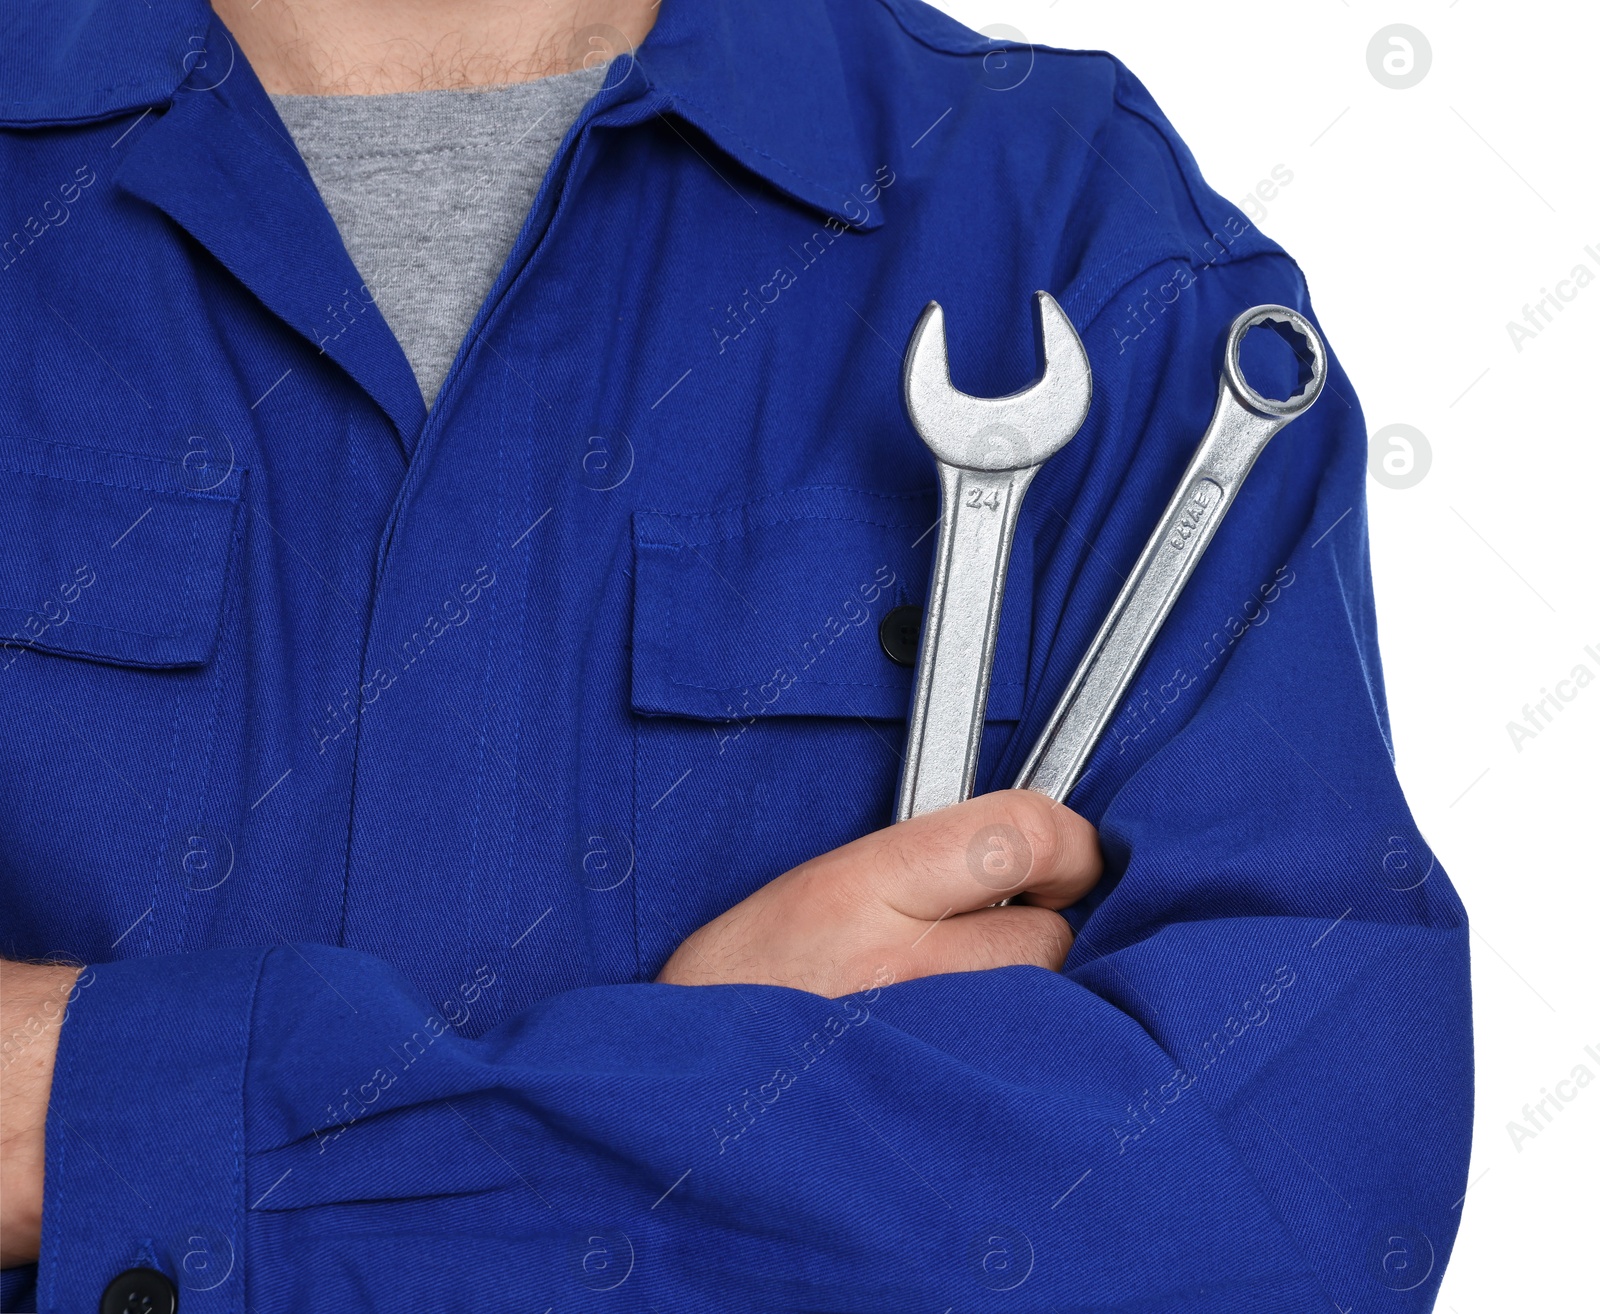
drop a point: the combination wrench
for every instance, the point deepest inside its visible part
(988, 450)
(1241, 425)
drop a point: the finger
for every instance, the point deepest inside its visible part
(974, 854)
(994, 937)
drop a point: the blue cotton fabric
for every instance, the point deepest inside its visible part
(375, 759)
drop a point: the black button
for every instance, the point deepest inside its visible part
(898, 633)
(139, 1291)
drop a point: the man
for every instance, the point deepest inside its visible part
(456, 548)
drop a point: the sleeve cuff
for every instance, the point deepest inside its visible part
(144, 1136)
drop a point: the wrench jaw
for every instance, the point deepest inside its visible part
(1013, 432)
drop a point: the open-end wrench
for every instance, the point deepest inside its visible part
(988, 450)
(1241, 425)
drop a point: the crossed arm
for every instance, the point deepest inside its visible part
(907, 902)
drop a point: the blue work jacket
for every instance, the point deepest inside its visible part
(375, 759)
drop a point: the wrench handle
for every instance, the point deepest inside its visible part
(1240, 428)
(960, 627)
(1114, 658)
(1204, 494)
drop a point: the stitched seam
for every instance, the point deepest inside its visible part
(219, 498)
(363, 654)
(515, 823)
(486, 683)
(778, 499)
(1263, 245)
(636, 726)
(271, 150)
(785, 495)
(162, 835)
(922, 40)
(188, 587)
(677, 98)
(98, 629)
(775, 524)
(1125, 282)
(96, 91)
(246, 1031)
(217, 683)
(465, 147)
(824, 684)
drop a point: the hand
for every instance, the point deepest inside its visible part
(910, 901)
(33, 1000)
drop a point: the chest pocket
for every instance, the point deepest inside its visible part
(112, 592)
(769, 719)
(107, 557)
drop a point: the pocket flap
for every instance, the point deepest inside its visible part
(129, 572)
(773, 608)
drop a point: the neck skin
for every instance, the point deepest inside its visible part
(362, 47)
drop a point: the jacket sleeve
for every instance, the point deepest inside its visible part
(1250, 1089)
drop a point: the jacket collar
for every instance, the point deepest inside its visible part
(75, 61)
(765, 81)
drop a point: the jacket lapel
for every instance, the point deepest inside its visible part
(219, 164)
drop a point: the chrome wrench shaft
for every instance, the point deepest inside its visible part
(1240, 428)
(988, 450)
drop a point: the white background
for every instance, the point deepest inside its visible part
(1425, 218)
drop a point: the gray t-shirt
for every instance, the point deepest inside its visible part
(429, 190)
